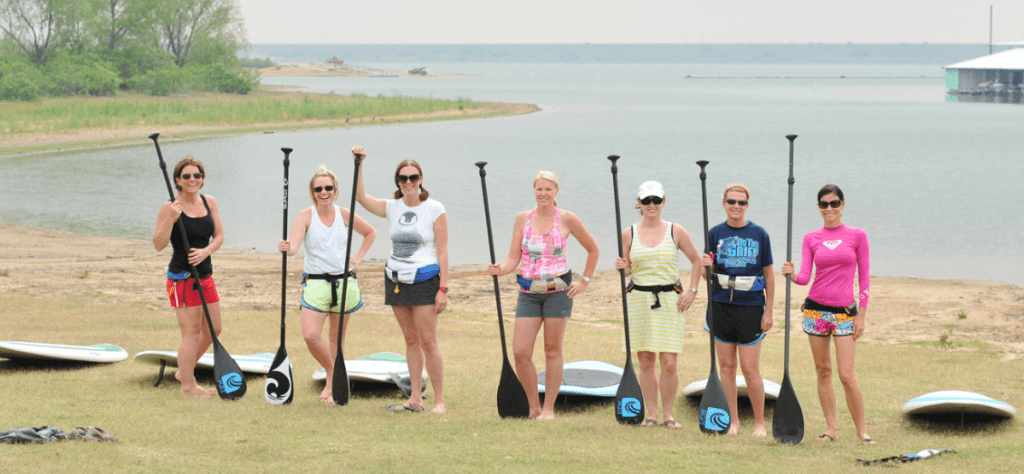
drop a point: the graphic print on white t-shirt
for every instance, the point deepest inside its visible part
(406, 241)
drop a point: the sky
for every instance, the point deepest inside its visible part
(636, 21)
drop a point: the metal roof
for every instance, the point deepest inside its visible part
(1010, 59)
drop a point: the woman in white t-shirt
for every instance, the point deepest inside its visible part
(416, 274)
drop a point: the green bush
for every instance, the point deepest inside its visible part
(80, 74)
(19, 81)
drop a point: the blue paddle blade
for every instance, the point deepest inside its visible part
(629, 399)
(714, 407)
(230, 381)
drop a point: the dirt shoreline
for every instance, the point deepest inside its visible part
(110, 270)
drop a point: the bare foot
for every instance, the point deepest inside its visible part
(534, 414)
(439, 408)
(733, 430)
(867, 440)
(759, 432)
(198, 392)
(545, 416)
(326, 395)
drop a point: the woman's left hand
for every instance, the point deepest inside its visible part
(577, 288)
(440, 302)
(686, 300)
(196, 256)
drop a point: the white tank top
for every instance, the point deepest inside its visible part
(325, 246)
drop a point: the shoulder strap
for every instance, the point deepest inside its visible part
(207, 206)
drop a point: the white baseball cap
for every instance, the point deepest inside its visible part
(650, 188)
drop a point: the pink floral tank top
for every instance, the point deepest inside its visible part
(544, 256)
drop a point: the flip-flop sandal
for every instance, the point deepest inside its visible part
(414, 408)
(649, 422)
(99, 434)
(673, 424)
(826, 435)
(868, 441)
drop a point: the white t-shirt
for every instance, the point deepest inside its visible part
(412, 233)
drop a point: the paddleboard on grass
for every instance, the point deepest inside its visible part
(100, 353)
(952, 402)
(373, 368)
(251, 363)
(771, 389)
(587, 377)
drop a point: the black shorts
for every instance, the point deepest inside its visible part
(735, 324)
(417, 294)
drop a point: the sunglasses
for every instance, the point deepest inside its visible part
(187, 176)
(323, 188)
(403, 178)
(652, 199)
(825, 204)
(733, 202)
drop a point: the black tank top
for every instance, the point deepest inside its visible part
(200, 232)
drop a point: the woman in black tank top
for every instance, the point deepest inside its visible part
(201, 218)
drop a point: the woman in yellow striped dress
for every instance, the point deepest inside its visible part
(657, 298)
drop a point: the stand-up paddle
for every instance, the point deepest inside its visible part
(629, 399)
(339, 382)
(788, 421)
(512, 401)
(230, 382)
(714, 407)
(279, 380)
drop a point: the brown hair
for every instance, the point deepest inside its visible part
(186, 161)
(323, 172)
(736, 187)
(424, 194)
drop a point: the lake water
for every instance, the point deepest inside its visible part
(931, 182)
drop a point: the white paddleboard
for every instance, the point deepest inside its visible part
(587, 377)
(104, 353)
(250, 363)
(771, 389)
(957, 402)
(372, 368)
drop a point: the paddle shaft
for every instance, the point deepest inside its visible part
(490, 242)
(618, 235)
(789, 245)
(339, 361)
(707, 250)
(284, 236)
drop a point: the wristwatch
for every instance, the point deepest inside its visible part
(443, 288)
(585, 278)
(693, 290)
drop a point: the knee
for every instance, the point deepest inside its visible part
(824, 371)
(646, 360)
(552, 351)
(522, 354)
(848, 379)
(728, 366)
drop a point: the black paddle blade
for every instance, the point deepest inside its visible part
(788, 423)
(230, 382)
(339, 384)
(714, 407)
(512, 402)
(629, 399)
(278, 389)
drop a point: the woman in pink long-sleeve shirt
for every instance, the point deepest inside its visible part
(837, 252)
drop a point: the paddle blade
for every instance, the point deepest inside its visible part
(629, 399)
(278, 389)
(339, 384)
(714, 407)
(512, 401)
(230, 382)
(788, 423)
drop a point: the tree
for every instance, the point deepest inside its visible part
(40, 27)
(119, 22)
(190, 28)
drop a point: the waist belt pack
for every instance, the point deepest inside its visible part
(816, 306)
(333, 280)
(676, 287)
(412, 276)
(546, 285)
(742, 283)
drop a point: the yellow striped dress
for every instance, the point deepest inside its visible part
(661, 329)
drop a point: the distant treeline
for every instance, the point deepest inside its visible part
(97, 47)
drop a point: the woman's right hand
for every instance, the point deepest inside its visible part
(284, 246)
(787, 268)
(621, 263)
(175, 210)
(707, 260)
(494, 269)
(358, 150)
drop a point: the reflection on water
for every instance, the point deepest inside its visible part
(914, 168)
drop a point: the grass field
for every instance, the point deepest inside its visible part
(160, 431)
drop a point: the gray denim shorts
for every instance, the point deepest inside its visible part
(544, 305)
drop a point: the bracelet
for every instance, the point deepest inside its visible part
(693, 290)
(585, 278)
(443, 288)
